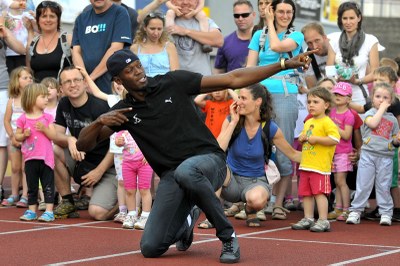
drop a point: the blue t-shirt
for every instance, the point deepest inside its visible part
(94, 33)
(267, 56)
(246, 156)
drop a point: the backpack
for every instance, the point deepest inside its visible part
(64, 46)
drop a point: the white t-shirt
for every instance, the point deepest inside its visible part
(361, 61)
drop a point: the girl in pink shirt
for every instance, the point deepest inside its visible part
(36, 131)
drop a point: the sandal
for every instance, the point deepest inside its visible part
(252, 219)
(205, 224)
(281, 215)
(232, 211)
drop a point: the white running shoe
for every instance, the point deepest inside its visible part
(354, 218)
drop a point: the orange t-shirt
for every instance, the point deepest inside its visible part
(216, 112)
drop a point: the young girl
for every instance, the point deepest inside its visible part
(344, 119)
(137, 174)
(319, 138)
(216, 108)
(19, 78)
(36, 131)
(376, 160)
(197, 13)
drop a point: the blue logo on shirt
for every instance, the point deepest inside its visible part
(95, 28)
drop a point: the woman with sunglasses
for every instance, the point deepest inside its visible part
(46, 55)
(277, 42)
(355, 50)
(151, 44)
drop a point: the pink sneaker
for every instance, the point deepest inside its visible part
(22, 203)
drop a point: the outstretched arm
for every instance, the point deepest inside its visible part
(99, 130)
(243, 77)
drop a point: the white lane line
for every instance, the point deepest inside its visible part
(366, 258)
(323, 242)
(60, 226)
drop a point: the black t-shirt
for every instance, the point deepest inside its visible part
(47, 65)
(82, 117)
(165, 126)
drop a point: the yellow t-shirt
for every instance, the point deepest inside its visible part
(318, 158)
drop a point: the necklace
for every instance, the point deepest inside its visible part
(46, 50)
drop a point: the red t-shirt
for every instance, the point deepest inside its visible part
(216, 112)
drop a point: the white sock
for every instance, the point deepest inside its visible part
(145, 214)
(132, 213)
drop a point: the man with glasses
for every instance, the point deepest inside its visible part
(98, 33)
(233, 53)
(93, 168)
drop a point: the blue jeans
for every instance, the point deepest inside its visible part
(193, 182)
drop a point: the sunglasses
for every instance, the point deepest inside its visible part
(45, 4)
(155, 15)
(243, 15)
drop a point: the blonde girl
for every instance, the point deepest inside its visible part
(35, 131)
(53, 88)
(19, 79)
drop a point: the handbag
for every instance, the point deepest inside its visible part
(272, 172)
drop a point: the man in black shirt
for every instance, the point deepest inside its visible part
(178, 146)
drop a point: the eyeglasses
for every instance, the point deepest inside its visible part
(155, 15)
(243, 15)
(67, 83)
(283, 12)
(49, 4)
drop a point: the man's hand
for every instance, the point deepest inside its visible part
(75, 154)
(175, 29)
(92, 177)
(302, 60)
(115, 117)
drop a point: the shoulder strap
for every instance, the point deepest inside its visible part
(266, 142)
(315, 67)
(32, 45)
(66, 52)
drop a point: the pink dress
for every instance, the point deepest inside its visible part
(37, 146)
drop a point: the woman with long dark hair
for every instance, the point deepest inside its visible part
(353, 49)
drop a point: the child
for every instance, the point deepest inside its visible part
(197, 13)
(216, 109)
(136, 173)
(376, 159)
(51, 108)
(342, 116)
(14, 21)
(19, 78)
(36, 131)
(319, 138)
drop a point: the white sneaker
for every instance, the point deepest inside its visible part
(385, 220)
(354, 218)
(129, 222)
(141, 223)
(120, 217)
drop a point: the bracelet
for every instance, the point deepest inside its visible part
(283, 66)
